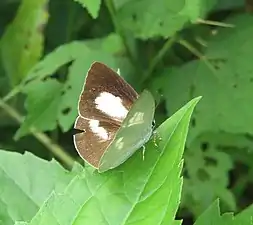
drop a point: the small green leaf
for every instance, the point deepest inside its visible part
(137, 192)
(26, 181)
(198, 9)
(42, 105)
(92, 6)
(212, 216)
(22, 43)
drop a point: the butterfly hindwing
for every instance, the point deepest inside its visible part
(93, 138)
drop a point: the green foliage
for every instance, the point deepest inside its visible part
(146, 20)
(165, 46)
(229, 86)
(227, 93)
(23, 41)
(50, 101)
(207, 171)
(132, 192)
(42, 103)
(26, 181)
(212, 216)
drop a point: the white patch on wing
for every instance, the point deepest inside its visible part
(100, 131)
(119, 143)
(137, 118)
(111, 105)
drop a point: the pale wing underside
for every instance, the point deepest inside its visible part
(135, 131)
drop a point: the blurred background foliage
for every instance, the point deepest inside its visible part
(177, 49)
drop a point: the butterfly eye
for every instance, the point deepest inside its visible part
(153, 124)
(76, 131)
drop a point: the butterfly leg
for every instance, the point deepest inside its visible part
(156, 138)
(155, 134)
(143, 151)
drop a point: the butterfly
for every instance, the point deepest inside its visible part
(113, 120)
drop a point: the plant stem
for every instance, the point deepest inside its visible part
(197, 53)
(118, 29)
(41, 137)
(12, 93)
(215, 23)
(167, 45)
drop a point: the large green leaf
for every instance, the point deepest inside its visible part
(23, 41)
(208, 168)
(227, 93)
(137, 192)
(26, 181)
(148, 18)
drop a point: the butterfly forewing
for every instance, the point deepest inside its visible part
(105, 95)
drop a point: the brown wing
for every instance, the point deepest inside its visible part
(101, 78)
(91, 145)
